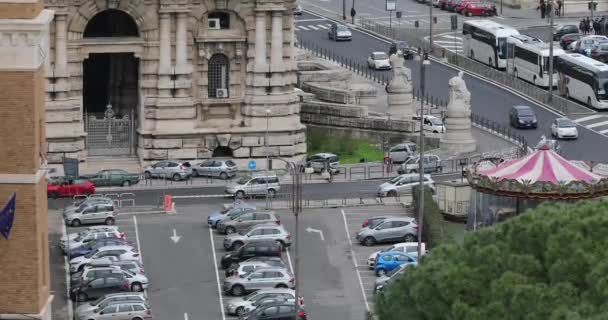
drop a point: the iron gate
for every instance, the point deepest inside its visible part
(109, 135)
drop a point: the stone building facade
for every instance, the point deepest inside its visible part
(24, 256)
(172, 79)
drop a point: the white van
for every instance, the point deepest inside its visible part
(258, 185)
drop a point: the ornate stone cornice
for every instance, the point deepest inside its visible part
(24, 42)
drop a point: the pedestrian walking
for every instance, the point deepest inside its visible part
(596, 26)
(581, 26)
(388, 163)
(560, 5)
(542, 9)
(556, 8)
(548, 10)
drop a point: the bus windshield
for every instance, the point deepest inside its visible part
(602, 89)
(502, 48)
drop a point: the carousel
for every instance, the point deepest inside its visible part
(508, 188)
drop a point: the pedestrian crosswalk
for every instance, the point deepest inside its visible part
(313, 27)
(596, 122)
(450, 41)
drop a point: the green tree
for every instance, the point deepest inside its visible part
(549, 263)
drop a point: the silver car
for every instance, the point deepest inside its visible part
(121, 252)
(80, 205)
(238, 305)
(263, 278)
(390, 230)
(94, 212)
(112, 298)
(403, 184)
(79, 241)
(251, 186)
(169, 169)
(74, 235)
(130, 265)
(246, 220)
(138, 282)
(402, 152)
(247, 267)
(260, 232)
(126, 310)
(430, 164)
(222, 169)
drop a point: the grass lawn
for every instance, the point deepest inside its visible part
(349, 149)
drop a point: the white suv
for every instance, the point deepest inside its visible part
(121, 252)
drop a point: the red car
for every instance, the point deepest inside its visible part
(443, 4)
(477, 9)
(462, 4)
(62, 187)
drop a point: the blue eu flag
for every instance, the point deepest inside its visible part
(7, 216)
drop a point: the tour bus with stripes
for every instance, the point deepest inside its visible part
(528, 59)
(486, 41)
(583, 79)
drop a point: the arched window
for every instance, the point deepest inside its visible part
(111, 23)
(218, 76)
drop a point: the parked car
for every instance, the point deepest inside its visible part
(431, 123)
(585, 44)
(246, 220)
(260, 232)
(261, 278)
(436, 3)
(63, 187)
(522, 117)
(378, 60)
(72, 244)
(297, 11)
(562, 30)
(339, 32)
(276, 312)
(431, 164)
(387, 283)
(475, 9)
(568, 39)
(460, 4)
(124, 310)
(85, 309)
(381, 280)
(222, 169)
(231, 210)
(137, 282)
(451, 5)
(402, 184)
(100, 212)
(409, 248)
(121, 252)
(402, 152)
(99, 287)
(73, 235)
(94, 244)
(390, 230)
(320, 161)
(113, 177)
(564, 128)
(443, 4)
(247, 267)
(237, 306)
(600, 52)
(251, 186)
(373, 221)
(168, 169)
(250, 250)
(391, 260)
(129, 265)
(269, 301)
(275, 261)
(78, 206)
(402, 46)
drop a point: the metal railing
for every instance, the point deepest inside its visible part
(500, 129)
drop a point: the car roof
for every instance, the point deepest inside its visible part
(408, 219)
(114, 247)
(272, 269)
(118, 294)
(522, 108)
(261, 241)
(378, 52)
(278, 290)
(428, 176)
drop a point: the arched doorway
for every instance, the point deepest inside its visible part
(110, 88)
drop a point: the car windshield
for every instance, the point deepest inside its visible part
(90, 254)
(412, 161)
(251, 295)
(230, 163)
(525, 112)
(341, 28)
(502, 48)
(98, 301)
(394, 271)
(244, 180)
(435, 121)
(602, 91)
(565, 123)
(395, 180)
(380, 56)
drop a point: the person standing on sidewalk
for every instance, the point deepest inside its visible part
(388, 163)
(542, 9)
(560, 4)
(548, 8)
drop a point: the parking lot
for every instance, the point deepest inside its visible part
(181, 256)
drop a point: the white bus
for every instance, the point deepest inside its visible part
(486, 41)
(528, 59)
(583, 79)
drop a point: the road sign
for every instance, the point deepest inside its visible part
(398, 14)
(391, 5)
(251, 165)
(454, 22)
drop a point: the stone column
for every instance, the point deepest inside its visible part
(181, 44)
(260, 42)
(61, 56)
(164, 57)
(276, 45)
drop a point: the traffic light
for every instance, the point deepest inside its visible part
(398, 14)
(592, 6)
(416, 24)
(454, 22)
(434, 20)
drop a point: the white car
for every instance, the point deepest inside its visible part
(410, 248)
(122, 252)
(431, 123)
(571, 46)
(403, 183)
(137, 281)
(74, 235)
(79, 241)
(564, 128)
(378, 61)
(237, 306)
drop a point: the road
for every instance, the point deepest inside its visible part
(487, 100)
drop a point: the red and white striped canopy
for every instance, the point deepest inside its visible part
(543, 165)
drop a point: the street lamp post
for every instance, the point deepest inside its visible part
(550, 97)
(431, 27)
(267, 156)
(344, 10)
(424, 61)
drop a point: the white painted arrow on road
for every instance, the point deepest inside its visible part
(175, 237)
(320, 232)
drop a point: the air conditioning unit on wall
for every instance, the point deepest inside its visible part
(214, 24)
(221, 93)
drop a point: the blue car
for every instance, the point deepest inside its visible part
(231, 210)
(387, 261)
(94, 244)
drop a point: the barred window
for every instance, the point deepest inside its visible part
(217, 75)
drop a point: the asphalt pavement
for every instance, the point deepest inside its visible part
(487, 100)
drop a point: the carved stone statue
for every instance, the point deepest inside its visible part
(457, 138)
(399, 89)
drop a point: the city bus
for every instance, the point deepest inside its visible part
(528, 59)
(486, 41)
(583, 79)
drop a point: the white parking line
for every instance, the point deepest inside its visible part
(67, 276)
(302, 28)
(354, 258)
(312, 27)
(289, 260)
(217, 274)
(185, 316)
(137, 239)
